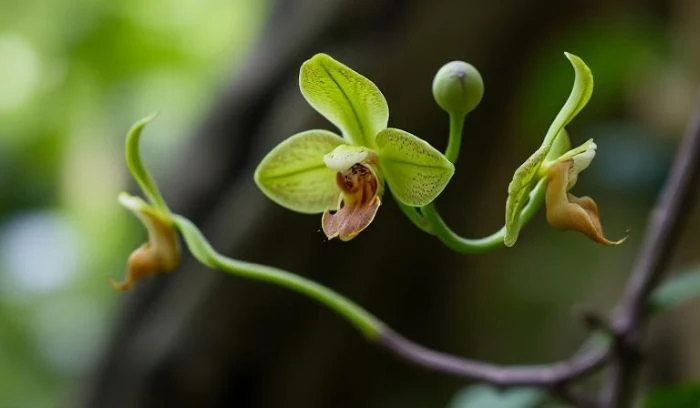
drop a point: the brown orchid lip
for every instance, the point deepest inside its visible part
(160, 254)
(358, 202)
(568, 212)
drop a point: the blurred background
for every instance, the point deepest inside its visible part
(222, 75)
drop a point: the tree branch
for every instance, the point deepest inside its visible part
(664, 229)
(665, 226)
(551, 375)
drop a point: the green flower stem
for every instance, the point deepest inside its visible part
(200, 248)
(456, 242)
(415, 216)
(495, 240)
(455, 140)
(136, 167)
(429, 220)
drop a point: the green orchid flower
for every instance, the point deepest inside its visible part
(558, 167)
(318, 171)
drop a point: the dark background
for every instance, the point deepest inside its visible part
(224, 77)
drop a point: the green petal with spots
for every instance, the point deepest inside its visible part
(294, 175)
(415, 171)
(350, 101)
(526, 176)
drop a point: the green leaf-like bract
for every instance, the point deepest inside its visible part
(136, 167)
(294, 175)
(349, 100)
(526, 176)
(415, 171)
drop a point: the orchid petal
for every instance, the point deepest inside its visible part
(294, 175)
(415, 171)
(347, 99)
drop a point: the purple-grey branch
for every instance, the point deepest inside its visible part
(665, 227)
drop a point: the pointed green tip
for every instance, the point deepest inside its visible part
(135, 131)
(146, 119)
(134, 134)
(572, 57)
(578, 64)
(575, 60)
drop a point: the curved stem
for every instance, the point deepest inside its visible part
(456, 242)
(415, 216)
(455, 140)
(428, 218)
(552, 375)
(365, 322)
(495, 240)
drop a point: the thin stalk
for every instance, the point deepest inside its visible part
(370, 326)
(455, 140)
(415, 217)
(469, 246)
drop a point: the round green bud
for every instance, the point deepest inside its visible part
(458, 88)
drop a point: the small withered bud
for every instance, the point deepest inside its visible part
(160, 254)
(458, 88)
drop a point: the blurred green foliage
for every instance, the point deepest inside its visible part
(486, 396)
(73, 76)
(676, 396)
(676, 291)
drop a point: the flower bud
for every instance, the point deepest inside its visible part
(458, 88)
